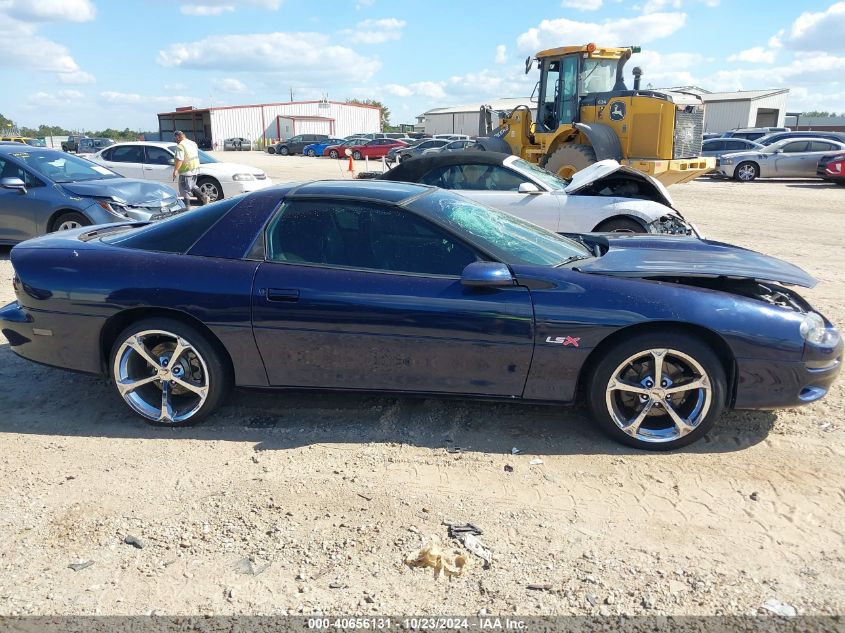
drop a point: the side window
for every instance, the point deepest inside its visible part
(295, 139)
(714, 146)
(737, 145)
(128, 154)
(794, 148)
(473, 177)
(821, 146)
(158, 156)
(107, 154)
(363, 236)
(8, 169)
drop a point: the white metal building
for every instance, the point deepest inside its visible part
(269, 122)
(725, 111)
(464, 119)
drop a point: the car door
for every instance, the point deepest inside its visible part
(20, 212)
(158, 164)
(126, 160)
(816, 150)
(364, 296)
(498, 187)
(787, 162)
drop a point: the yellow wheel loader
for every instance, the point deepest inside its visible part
(585, 113)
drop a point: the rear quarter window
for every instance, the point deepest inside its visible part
(177, 234)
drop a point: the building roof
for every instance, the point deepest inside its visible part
(496, 104)
(742, 95)
(192, 109)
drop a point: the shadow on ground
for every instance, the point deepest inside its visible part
(44, 401)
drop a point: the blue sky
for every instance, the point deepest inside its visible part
(116, 63)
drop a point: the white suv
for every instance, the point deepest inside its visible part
(153, 160)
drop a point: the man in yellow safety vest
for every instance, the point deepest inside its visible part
(186, 167)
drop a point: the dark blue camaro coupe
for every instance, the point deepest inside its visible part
(403, 288)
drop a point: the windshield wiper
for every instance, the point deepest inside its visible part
(573, 258)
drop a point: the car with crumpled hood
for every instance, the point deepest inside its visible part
(46, 190)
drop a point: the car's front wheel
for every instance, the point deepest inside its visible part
(311, 153)
(657, 391)
(211, 188)
(271, 150)
(620, 225)
(333, 153)
(168, 373)
(356, 155)
(284, 151)
(69, 220)
(747, 171)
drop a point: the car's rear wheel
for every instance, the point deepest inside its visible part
(620, 225)
(284, 151)
(168, 373)
(271, 150)
(70, 220)
(747, 171)
(211, 188)
(333, 153)
(657, 391)
(356, 155)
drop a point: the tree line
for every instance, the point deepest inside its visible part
(7, 127)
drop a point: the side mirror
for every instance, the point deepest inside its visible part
(487, 275)
(529, 187)
(778, 151)
(14, 184)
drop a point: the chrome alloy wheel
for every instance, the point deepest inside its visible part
(210, 189)
(746, 172)
(161, 376)
(658, 395)
(68, 225)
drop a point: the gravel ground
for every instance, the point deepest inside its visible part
(301, 504)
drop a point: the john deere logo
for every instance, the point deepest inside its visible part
(617, 111)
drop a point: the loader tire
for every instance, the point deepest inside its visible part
(569, 158)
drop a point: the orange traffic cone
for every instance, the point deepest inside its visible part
(351, 165)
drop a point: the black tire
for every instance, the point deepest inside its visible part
(69, 220)
(747, 171)
(333, 153)
(210, 187)
(614, 359)
(840, 182)
(403, 157)
(569, 158)
(219, 374)
(312, 153)
(620, 225)
(284, 151)
(271, 150)
(356, 155)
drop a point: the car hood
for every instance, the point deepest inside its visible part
(670, 256)
(134, 192)
(609, 167)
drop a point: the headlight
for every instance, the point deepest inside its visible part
(814, 330)
(241, 177)
(726, 161)
(116, 206)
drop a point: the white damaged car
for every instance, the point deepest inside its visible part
(604, 197)
(153, 160)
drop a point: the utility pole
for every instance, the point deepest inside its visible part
(291, 94)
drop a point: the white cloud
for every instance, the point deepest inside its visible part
(375, 31)
(131, 98)
(643, 28)
(22, 48)
(60, 98)
(398, 91)
(361, 4)
(428, 89)
(76, 77)
(218, 7)
(755, 55)
(205, 11)
(654, 6)
(501, 54)
(807, 70)
(309, 57)
(582, 5)
(663, 70)
(49, 10)
(823, 31)
(231, 85)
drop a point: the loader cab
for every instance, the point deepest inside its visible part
(570, 73)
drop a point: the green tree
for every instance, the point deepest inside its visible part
(6, 124)
(385, 111)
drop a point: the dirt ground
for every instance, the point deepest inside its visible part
(303, 504)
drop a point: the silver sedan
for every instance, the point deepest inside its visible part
(789, 158)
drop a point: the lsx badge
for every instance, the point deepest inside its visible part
(617, 111)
